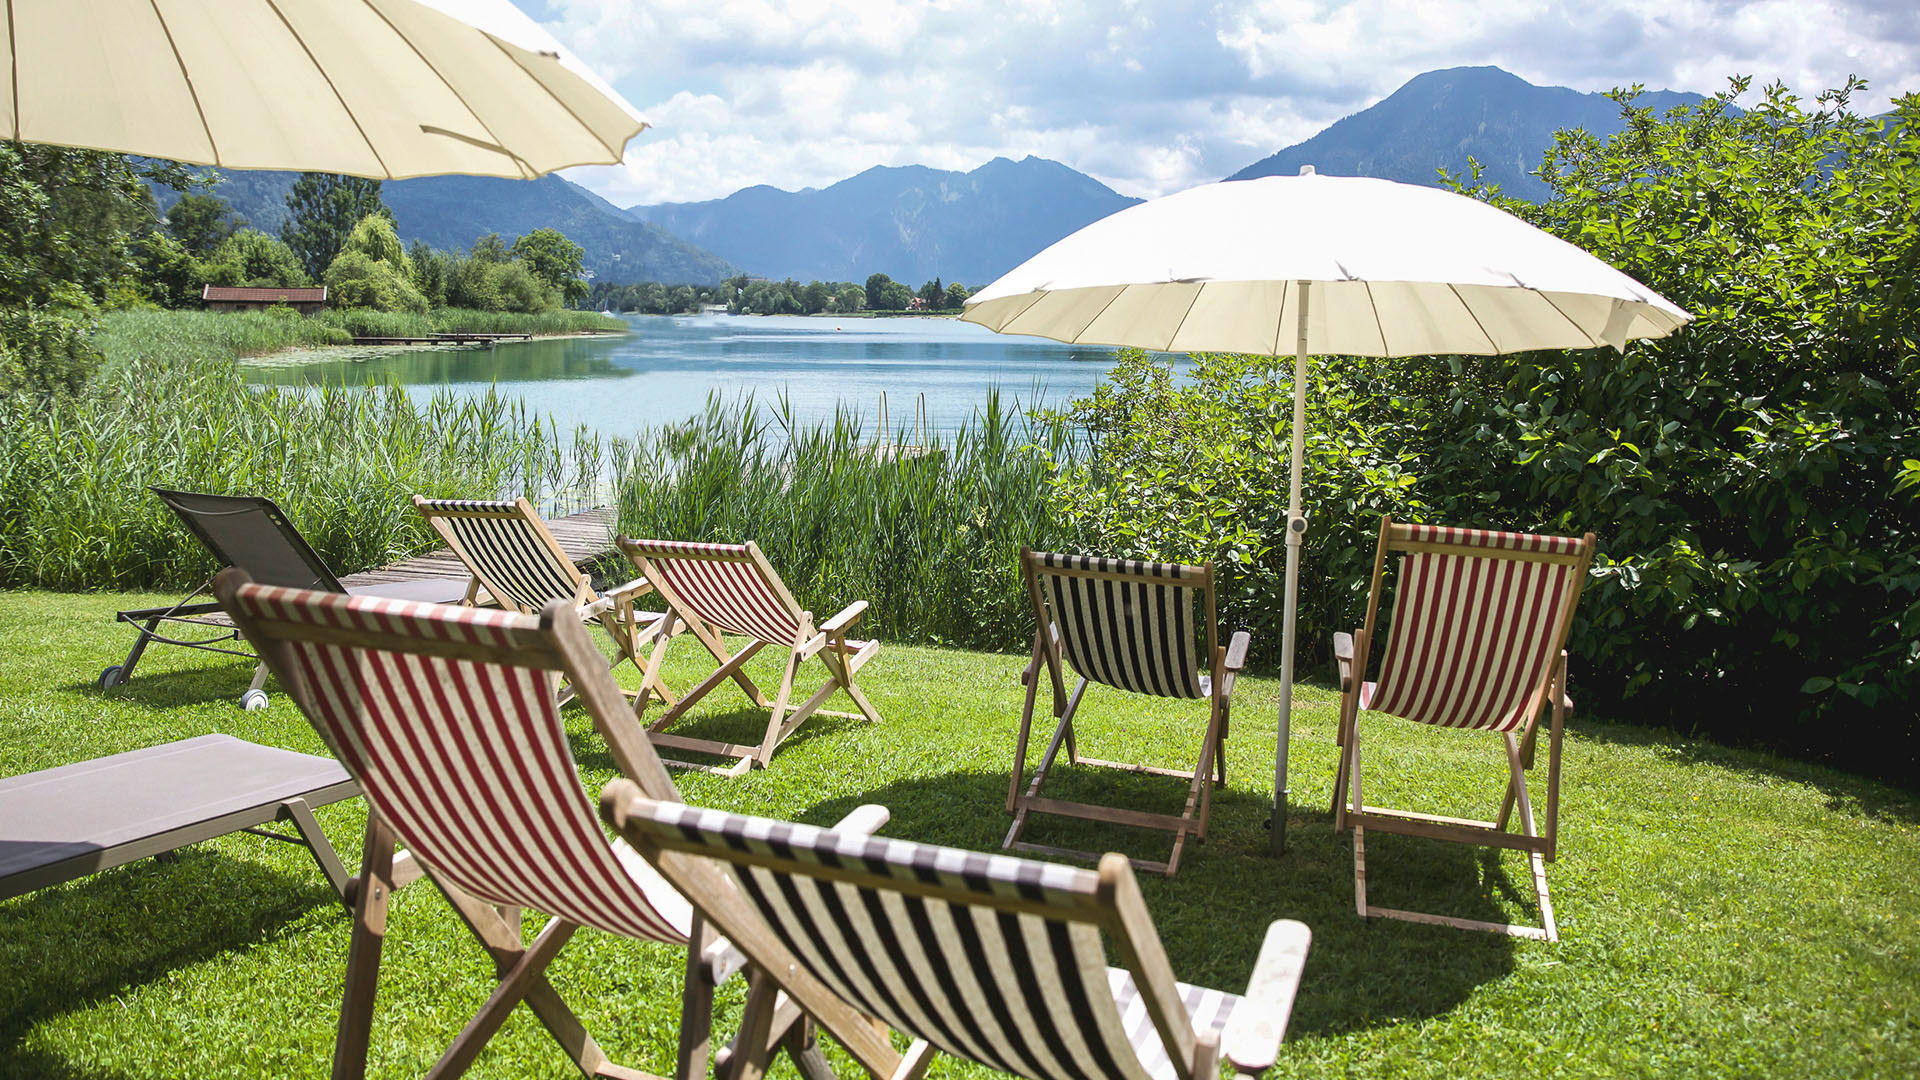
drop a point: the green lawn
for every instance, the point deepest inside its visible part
(1722, 913)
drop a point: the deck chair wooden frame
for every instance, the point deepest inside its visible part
(715, 589)
(989, 958)
(514, 557)
(445, 717)
(1481, 624)
(1128, 625)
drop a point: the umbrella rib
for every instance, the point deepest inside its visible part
(1471, 314)
(620, 153)
(13, 62)
(328, 78)
(185, 76)
(1183, 315)
(1379, 325)
(1571, 321)
(496, 145)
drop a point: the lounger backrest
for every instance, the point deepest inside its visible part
(508, 548)
(731, 586)
(989, 958)
(1478, 618)
(1126, 623)
(250, 532)
(466, 758)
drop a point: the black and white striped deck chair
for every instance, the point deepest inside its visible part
(1480, 625)
(512, 554)
(715, 589)
(1133, 626)
(990, 958)
(446, 718)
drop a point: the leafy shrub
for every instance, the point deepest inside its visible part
(45, 353)
(355, 280)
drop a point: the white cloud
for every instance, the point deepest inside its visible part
(1149, 96)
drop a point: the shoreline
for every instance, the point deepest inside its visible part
(295, 355)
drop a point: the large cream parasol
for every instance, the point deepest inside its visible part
(1319, 265)
(377, 88)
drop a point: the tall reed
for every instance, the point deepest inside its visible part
(932, 538)
(366, 322)
(75, 512)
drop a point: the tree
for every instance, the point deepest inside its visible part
(876, 291)
(556, 260)
(894, 296)
(69, 219)
(322, 210)
(932, 293)
(851, 299)
(490, 248)
(374, 237)
(251, 257)
(956, 296)
(202, 223)
(358, 280)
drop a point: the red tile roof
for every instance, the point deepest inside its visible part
(265, 296)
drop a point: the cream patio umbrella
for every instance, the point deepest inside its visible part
(377, 88)
(1319, 265)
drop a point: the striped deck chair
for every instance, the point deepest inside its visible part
(445, 717)
(715, 589)
(1480, 629)
(989, 958)
(1132, 626)
(512, 554)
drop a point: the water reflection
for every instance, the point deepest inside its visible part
(665, 368)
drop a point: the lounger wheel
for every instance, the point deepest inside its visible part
(253, 700)
(113, 676)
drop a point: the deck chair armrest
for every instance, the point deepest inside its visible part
(847, 617)
(1258, 1025)
(637, 587)
(1235, 662)
(864, 820)
(1343, 659)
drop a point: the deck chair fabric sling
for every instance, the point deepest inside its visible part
(445, 717)
(716, 589)
(1132, 626)
(515, 558)
(250, 532)
(990, 958)
(1480, 625)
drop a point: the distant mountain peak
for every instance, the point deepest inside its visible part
(1438, 119)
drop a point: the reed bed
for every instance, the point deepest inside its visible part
(931, 536)
(365, 322)
(75, 512)
(130, 335)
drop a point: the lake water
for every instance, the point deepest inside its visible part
(664, 369)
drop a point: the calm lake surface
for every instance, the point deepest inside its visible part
(665, 368)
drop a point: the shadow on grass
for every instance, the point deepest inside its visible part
(745, 725)
(1213, 915)
(67, 947)
(218, 681)
(1843, 791)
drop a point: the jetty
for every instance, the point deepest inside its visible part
(456, 338)
(586, 537)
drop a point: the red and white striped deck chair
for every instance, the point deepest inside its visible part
(990, 958)
(446, 717)
(1480, 626)
(716, 589)
(512, 554)
(1132, 626)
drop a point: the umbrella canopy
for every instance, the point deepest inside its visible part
(1397, 270)
(1319, 265)
(378, 88)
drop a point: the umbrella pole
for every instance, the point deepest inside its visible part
(1296, 528)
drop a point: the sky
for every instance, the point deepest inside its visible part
(1147, 96)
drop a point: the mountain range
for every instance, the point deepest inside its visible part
(915, 223)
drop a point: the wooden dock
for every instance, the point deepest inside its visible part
(440, 339)
(586, 538)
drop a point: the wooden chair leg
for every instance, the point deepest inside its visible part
(515, 982)
(749, 1058)
(372, 891)
(696, 1007)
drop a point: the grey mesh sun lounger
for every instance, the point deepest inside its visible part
(65, 823)
(250, 532)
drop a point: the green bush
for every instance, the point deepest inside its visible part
(45, 353)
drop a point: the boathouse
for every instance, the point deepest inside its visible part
(229, 298)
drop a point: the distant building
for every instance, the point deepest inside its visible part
(227, 298)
